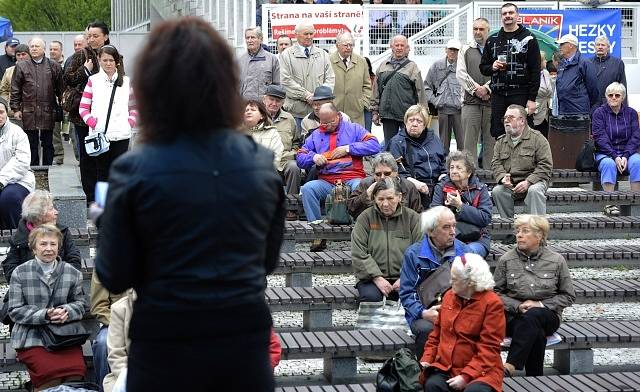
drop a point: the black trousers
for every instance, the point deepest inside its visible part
(104, 161)
(390, 129)
(369, 292)
(437, 382)
(499, 105)
(44, 137)
(421, 328)
(543, 127)
(528, 334)
(88, 170)
(236, 362)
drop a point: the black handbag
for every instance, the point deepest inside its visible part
(586, 160)
(468, 232)
(432, 289)
(59, 336)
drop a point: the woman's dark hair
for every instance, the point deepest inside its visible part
(266, 117)
(113, 52)
(102, 26)
(186, 81)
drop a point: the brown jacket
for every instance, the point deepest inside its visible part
(101, 300)
(541, 277)
(530, 159)
(34, 90)
(76, 76)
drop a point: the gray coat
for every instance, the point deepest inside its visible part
(257, 72)
(442, 88)
(29, 296)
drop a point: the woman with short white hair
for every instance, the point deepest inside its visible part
(463, 351)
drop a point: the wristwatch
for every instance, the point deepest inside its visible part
(347, 148)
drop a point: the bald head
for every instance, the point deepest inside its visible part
(329, 117)
(79, 42)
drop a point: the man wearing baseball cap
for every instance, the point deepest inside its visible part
(576, 84)
(9, 58)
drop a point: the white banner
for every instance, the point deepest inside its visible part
(328, 19)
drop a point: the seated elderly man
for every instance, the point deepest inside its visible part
(286, 125)
(437, 249)
(384, 165)
(336, 148)
(521, 165)
(311, 121)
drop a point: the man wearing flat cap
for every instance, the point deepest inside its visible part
(8, 59)
(576, 84)
(444, 92)
(285, 123)
(311, 121)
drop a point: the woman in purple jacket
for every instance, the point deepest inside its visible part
(617, 139)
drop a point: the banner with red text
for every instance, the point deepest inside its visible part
(328, 19)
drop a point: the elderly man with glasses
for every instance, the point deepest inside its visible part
(521, 165)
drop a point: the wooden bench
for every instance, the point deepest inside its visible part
(83, 238)
(600, 382)
(318, 303)
(557, 201)
(339, 349)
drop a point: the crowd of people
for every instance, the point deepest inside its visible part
(295, 123)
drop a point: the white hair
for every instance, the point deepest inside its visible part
(256, 30)
(475, 270)
(344, 36)
(603, 38)
(616, 87)
(302, 24)
(430, 218)
(36, 205)
(34, 39)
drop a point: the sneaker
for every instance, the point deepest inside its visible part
(318, 245)
(611, 210)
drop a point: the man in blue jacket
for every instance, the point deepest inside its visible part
(576, 84)
(609, 68)
(420, 259)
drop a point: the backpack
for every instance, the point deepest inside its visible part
(336, 205)
(400, 373)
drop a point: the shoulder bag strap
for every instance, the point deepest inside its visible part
(113, 93)
(393, 73)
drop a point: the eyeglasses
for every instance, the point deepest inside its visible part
(386, 173)
(612, 95)
(324, 124)
(523, 230)
(347, 45)
(509, 118)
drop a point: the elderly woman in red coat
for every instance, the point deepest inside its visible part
(463, 350)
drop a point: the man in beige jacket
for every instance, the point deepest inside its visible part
(303, 68)
(353, 85)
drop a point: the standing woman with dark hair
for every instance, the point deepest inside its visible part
(100, 103)
(193, 221)
(84, 64)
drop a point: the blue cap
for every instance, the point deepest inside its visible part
(13, 42)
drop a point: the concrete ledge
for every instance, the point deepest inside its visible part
(68, 196)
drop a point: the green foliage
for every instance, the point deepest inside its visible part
(54, 15)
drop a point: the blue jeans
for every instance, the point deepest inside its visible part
(315, 191)
(11, 198)
(477, 248)
(609, 171)
(99, 348)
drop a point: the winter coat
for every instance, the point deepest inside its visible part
(361, 143)
(94, 106)
(353, 86)
(530, 159)
(378, 242)
(577, 87)
(310, 122)
(6, 61)
(257, 72)
(522, 75)
(442, 88)
(541, 277)
(301, 75)
(20, 252)
(428, 157)
(466, 338)
(29, 299)
(35, 87)
(203, 215)
(477, 193)
(76, 76)
(268, 137)
(395, 93)
(616, 135)
(15, 157)
(418, 261)
(102, 300)
(609, 69)
(359, 201)
(118, 341)
(289, 135)
(5, 88)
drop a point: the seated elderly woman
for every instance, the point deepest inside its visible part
(419, 151)
(535, 286)
(379, 238)
(614, 126)
(463, 351)
(46, 290)
(384, 165)
(16, 177)
(38, 209)
(257, 122)
(469, 200)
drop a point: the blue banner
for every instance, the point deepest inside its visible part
(587, 25)
(6, 30)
